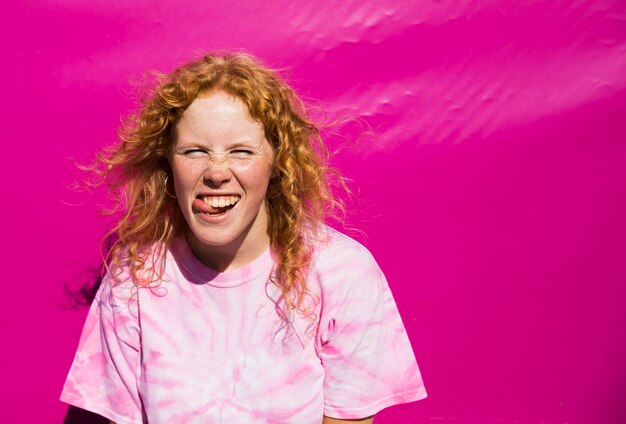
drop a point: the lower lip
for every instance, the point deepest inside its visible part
(197, 206)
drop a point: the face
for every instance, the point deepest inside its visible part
(222, 164)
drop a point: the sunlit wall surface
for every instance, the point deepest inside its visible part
(492, 184)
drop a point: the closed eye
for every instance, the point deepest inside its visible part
(242, 152)
(194, 152)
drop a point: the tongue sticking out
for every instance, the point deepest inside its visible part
(216, 211)
(214, 206)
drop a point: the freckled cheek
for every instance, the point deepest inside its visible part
(257, 173)
(185, 178)
(257, 177)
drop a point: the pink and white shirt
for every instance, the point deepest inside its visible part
(208, 347)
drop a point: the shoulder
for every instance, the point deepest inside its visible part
(141, 266)
(339, 258)
(328, 236)
(125, 275)
(334, 246)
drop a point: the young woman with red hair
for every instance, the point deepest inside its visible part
(226, 298)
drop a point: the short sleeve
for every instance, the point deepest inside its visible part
(104, 375)
(365, 351)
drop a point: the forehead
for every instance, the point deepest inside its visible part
(217, 115)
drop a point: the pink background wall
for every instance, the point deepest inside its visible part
(494, 197)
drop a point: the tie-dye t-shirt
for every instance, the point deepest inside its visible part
(207, 347)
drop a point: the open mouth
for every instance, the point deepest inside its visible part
(217, 205)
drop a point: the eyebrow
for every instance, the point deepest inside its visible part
(227, 146)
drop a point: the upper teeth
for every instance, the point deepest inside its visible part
(220, 201)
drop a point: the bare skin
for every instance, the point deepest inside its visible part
(328, 420)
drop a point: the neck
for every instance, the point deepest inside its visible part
(229, 257)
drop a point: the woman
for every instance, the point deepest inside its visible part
(226, 298)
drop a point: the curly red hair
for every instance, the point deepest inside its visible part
(136, 171)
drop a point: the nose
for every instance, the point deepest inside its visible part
(216, 174)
